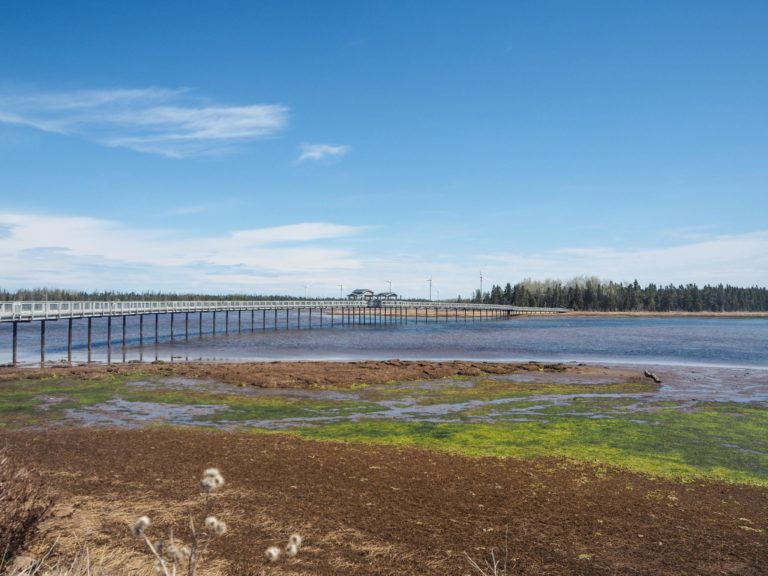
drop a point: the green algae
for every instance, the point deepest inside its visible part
(717, 441)
(446, 391)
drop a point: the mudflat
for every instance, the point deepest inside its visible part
(307, 374)
(381, 510)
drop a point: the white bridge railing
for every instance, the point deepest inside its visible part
(29, 311)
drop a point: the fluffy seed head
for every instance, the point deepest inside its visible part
(294, 539)
(210, 523)
(212, 479)
(141, 524)
(273, 553)
(291, 550)
(220, 528)
(174, 552)
(160, 547)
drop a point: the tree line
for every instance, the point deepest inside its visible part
(592, 294)
(583, 294)
(55, 294)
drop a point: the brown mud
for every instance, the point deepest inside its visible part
(386, 510)
(311, 374)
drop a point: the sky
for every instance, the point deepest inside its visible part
(316, 147)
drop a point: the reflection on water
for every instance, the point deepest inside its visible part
(692, 341)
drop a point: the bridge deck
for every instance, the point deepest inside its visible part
(31, 311)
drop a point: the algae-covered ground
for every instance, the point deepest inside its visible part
(633, 423)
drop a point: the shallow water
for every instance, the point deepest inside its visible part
(431, 401)
(627, 340)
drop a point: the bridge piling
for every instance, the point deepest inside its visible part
(90, 338)
(69, 340)
(15, 344)
(42, 343)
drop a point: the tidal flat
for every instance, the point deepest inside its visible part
(698, 423)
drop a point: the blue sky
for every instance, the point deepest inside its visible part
(262, 147)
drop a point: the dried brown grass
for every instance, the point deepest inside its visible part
(24, 503)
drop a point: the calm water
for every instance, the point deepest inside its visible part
(691, 341)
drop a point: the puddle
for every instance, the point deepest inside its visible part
(126, 414)
(46, 402)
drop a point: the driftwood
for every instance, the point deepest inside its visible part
(652, 376)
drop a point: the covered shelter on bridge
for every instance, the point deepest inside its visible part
(386, 296)
(360, 294)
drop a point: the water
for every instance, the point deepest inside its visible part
(684, 387)
(730, 342)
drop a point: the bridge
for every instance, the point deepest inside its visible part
(332, 312)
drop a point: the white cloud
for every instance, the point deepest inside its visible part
(317, 152)
(91, 253)
(739, 259)
(168, 122)
(86, 252)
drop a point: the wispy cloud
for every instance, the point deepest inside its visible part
(315, 152)
(81, 251)
(739, 259)
(172, 123)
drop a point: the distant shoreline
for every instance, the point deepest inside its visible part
(671, 314)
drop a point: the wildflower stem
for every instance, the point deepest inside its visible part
(159, 558)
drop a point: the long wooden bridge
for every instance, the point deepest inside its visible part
(327, 312)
